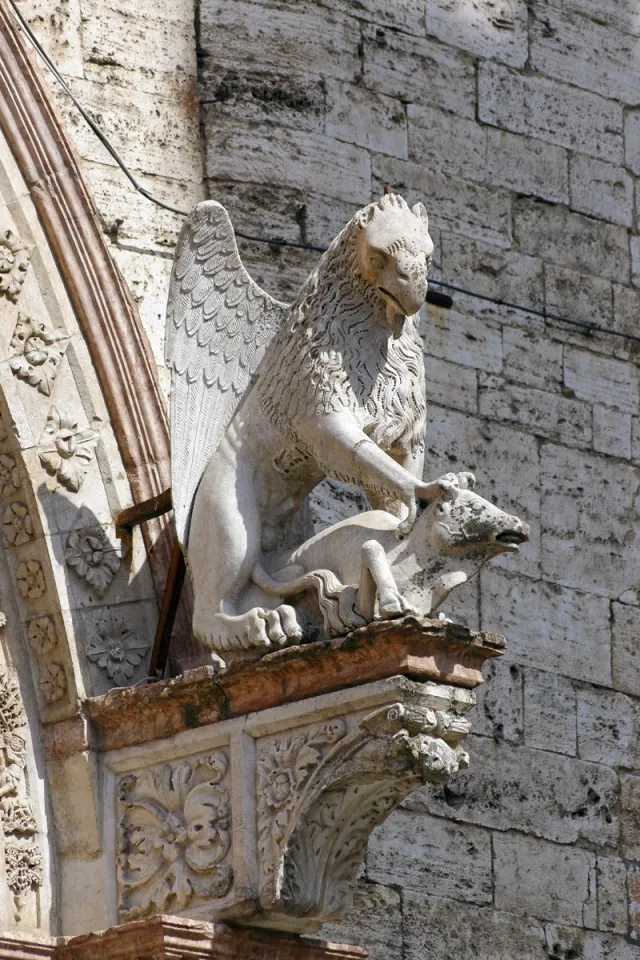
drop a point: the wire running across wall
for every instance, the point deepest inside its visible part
(589, 328)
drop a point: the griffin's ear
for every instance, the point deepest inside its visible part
(421, 212)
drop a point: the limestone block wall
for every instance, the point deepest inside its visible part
(519, 126)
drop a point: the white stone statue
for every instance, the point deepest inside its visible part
(359, 570)
(269, 398)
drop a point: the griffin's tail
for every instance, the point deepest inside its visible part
(337, 602)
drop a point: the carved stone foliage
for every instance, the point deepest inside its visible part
(23, 860)
(319, 796)
(30, 579)
(14, 263)
(66, 451)
(9, 475)
(18, 525)
(173, 837)
(43, 638)
(116, 649)
(36, 353)
(93, 557)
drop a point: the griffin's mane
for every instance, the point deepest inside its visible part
(332, 356)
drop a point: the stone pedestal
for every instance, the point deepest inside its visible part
(175, 938)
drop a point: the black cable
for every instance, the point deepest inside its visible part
(434, 297)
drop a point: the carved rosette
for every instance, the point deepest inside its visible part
(174, 827)
(116, 649)
(66, 451)
(94, 558)
(36, 352)
(14, 263)
(320, 795)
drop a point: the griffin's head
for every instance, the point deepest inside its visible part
(394, 255)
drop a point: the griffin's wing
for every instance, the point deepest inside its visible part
(219, 325)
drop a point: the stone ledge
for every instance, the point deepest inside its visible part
(418, 648)
(174, 938)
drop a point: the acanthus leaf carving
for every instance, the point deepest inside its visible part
(174, 837)
(68, 450)
(14, 263)
(37, 355)
(311, 856)
(23, 860)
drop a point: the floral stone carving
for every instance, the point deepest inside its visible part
(94, 558)
(18, 525)
(116, 649)
(174, 837)
(23, 860)
(68, 451)
(14, 263)
(30, 579)
(37, 356)
(320, 795)
(9, 475)
(43, 638)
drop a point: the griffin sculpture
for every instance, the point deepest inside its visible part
(269, 398)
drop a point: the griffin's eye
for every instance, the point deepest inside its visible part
(376, 261)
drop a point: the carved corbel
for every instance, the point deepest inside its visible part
(320, 796)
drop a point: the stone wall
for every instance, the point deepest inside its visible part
(520, 129)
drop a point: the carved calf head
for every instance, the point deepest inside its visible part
(394, 254)
(461, 523)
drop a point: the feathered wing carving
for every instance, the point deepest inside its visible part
(219, 325)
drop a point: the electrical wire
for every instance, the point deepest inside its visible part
(279, 241)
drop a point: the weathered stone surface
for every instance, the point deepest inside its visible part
(550, 111)
(499, 709)
(367, 119)
(612, 895)
(564, 942)
(611, 432)
(491, 271)
(578, 296)
(550, 627)
(608, 728)
(375, 922)
(330, 167)
(568, 894)
(448, 384)
(461, 337)
(605, 54)
(429, 855)
(441, 929)
(625, 650)
(526, 165)
(531, 359)
(601, 190)
(575, 485)
(492, 32)
(626, 309)
(632, 140)
(418, 70)
(541, 413)
(541, 794)
(572, 240)
(309, 40)
(438, 142)
(630, 816)
(256, 98)
(550, 713)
